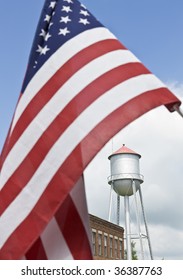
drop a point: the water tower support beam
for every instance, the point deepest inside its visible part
(127, 228)
(138, 219)
(110, 203)
(145, 223)
(118, 209)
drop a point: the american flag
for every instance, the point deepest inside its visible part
(81, 87)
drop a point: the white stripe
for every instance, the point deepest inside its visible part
(68, 91)
(58, 59)
(65, 145)
(54, 243)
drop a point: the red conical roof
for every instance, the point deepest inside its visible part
(124, 150)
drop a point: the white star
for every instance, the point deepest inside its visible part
(63, 31)
(45, 35)
(66, 9)
(85, 13)
(42, 50)
(83, 6)
(84, 21)
(39, 49)
(47, 18)
(45, 50)
(68, 1)
(65, 19)
(52, 4)
(51, 23)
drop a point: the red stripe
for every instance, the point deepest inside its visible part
(66, 177)
(56, 82)
(32, 161)
(36, 252)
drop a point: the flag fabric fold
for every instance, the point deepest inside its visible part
(81, 87)
(67, 232)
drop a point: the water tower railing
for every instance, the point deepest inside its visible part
(132, 176)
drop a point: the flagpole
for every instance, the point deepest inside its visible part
(178, 110)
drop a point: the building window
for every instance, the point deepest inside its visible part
(120, 249)
(99, 244)
(116, 248)
(111, 246)
(105, 246)
(94, 242)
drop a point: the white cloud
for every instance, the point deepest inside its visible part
(158, 137)
(176, 87)
(167, 243)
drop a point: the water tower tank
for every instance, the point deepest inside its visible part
(124, 170)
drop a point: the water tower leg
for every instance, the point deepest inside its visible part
(138, 219)
(118, 209)
(145, 223)
(127, 227)
(110, 204)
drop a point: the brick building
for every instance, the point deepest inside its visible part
(107, 239)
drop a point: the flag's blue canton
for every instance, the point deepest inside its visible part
(60, 21)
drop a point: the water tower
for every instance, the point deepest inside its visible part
(126, 180)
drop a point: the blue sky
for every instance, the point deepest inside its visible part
(152, 30)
